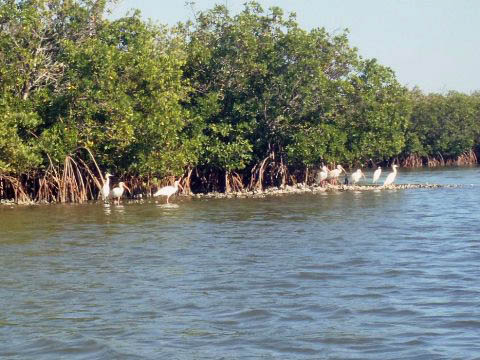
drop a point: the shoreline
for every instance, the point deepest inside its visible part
(313, 189)
(300, 188)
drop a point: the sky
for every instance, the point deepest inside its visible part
(432, 44)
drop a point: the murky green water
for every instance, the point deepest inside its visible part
(370, 275)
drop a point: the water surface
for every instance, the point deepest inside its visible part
(342, 275)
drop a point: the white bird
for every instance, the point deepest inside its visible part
(335, 173)
(376, 174)
(168, 190)
(117, 192)
(391, 177)
(322, 175)
(106, 187)
(357, 175)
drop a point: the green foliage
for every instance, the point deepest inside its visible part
(17, 153)
(317, 144)
(124, 93)
(377, 113)
(115, 87)
(446, 125)
(222, 93)
(306, 96)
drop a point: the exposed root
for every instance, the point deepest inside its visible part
(467, 158)
(233, 182)
(412, 161)
(11, 184)
(187, 182)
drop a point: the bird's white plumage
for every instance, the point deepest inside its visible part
(168, 190)
(391, 177)
(357, 175)
(106, 186)
(322, 175)
(335, 173)
(376, 174)
(117, 192)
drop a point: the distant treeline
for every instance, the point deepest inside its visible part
(226, 101)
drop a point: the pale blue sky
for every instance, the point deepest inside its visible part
(430, 43)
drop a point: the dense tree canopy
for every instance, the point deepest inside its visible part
(446, 125)
(247, 98)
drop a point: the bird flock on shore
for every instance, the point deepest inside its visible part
(324, 176)
(116, 193)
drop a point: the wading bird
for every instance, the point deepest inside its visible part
(106, 187)
(335, 173)
(376, 174)
(168, 190)
(117, 192)
(357, 175)
(322, 176)
(391, 177)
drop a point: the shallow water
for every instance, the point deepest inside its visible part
(342, 275)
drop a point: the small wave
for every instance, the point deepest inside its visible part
(168, 206)
(310, 275)
(88, 348)
(342, 339)
(252, 313)
(280, 285)
(188, 306)
(413, 342)
(315, 308)
(297, 350)
(197, 332)
(362, 296)
(295, 318)
(390, 311)
(221, 288)
(225, 322)
(463, 324)
(323, 267)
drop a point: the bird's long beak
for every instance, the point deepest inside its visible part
(126, 187)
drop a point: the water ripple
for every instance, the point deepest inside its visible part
(374, 275)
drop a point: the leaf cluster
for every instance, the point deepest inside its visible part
(222, 93)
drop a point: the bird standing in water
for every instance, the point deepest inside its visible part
(168, 190)
(376, 175)
(357, 175)
(106, 187)
(117, 192)
(335, 173)
(391, 177)
(322, 176)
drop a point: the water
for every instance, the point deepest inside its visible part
(347, 275)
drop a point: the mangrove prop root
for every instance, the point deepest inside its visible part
(414, 161)
(79, 179)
